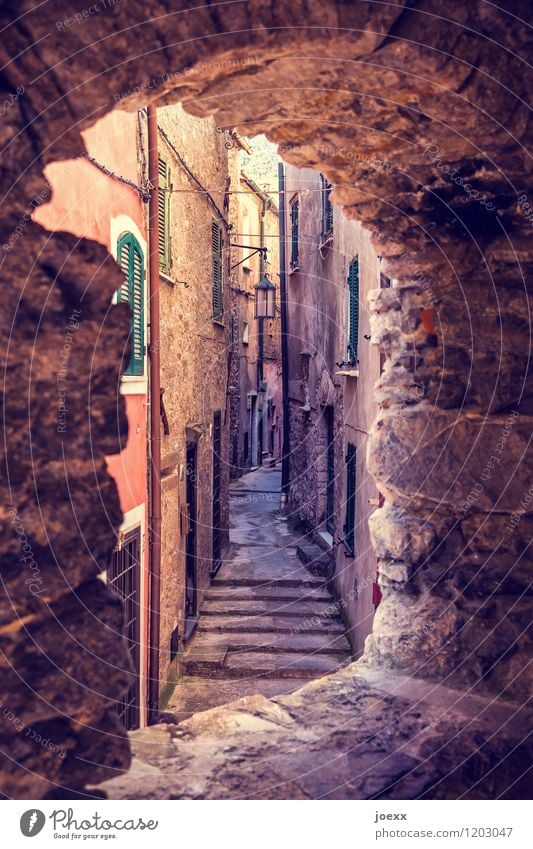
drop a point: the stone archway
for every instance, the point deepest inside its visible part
(418, 116)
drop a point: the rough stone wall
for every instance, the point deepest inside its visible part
(430, 151)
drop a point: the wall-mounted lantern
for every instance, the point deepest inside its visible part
(265, 299)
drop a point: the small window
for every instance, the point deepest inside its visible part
(351, 487)
(216, 246)
(327, 209)
(295, 213)
(131, 261)
(164, 215)
(245, 333)
(353, 318)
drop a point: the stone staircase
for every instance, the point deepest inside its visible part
(267, 623)
(289, 629)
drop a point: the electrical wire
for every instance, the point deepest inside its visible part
(144, 191)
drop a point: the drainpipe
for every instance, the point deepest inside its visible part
(261, 357)
(285, 468)
(155, 418)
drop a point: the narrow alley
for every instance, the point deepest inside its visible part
(268, 403)
(267, 625)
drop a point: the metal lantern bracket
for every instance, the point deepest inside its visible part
(251, 248)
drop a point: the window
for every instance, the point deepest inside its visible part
(327, 209)
(164, 215)
(295, 212)
(353, 318)
(124, 577)
(131, 261)
(216, 245)
(245, 333)
(349, 525)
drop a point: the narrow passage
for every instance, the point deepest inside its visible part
(267, 625)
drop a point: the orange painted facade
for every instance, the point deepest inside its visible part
(91, 204)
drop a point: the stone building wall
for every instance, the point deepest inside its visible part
(318, 322)
(355, 577)
(194, 360)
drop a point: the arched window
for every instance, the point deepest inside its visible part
(131, 260)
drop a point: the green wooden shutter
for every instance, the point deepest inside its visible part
(327, 208)
(295, 212)
(131, 261)
(216, 246)
(351, 486)
(164, 215)
(123, 259)
(353, 287)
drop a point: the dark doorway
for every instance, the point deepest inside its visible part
(123, 576)
(191, 602)
(330, 486)
(217, 469)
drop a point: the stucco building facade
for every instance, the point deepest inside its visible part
(194, 233)
(92, 203)
(255, 385)
(331, 266)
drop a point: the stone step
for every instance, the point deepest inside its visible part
(208, 642)
(318, 561)
(272, 607)
(271, 624)
(264, 665)
(234, 581)
(270, 565)
(244, 593)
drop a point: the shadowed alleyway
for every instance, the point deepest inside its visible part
(267, 625)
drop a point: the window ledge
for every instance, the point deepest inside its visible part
(348, 372)
(219, 322)
(326, 539)
(131, 384)
(326, 240)
(294, 269)
(167, 279)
